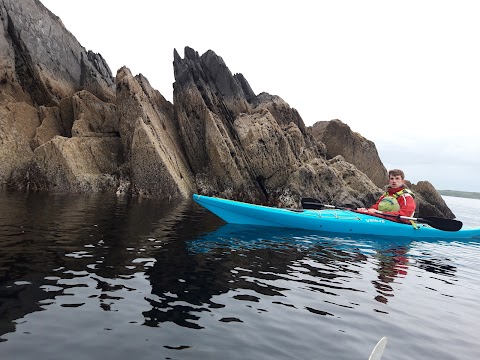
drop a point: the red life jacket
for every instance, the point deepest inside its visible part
(405, 199)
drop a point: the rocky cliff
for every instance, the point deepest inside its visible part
(341, 140)
(67, 124)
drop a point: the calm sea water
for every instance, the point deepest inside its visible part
(101, 277)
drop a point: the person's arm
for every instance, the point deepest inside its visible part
(374, 208)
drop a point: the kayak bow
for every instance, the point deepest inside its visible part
(327, 220)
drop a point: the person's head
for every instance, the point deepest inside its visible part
(396, 178)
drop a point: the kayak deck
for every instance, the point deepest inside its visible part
(327, 220)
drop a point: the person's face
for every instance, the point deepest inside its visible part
(395, 181)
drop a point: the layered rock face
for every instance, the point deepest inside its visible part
(42, 67)
(341, 140)
(66, 124)
(256, 148)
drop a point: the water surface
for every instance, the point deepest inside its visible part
(85, 277)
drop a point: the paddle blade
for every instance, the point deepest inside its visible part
(441, 223)
(311, 203)
(378, 350)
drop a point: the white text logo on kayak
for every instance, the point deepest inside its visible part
(375, 220)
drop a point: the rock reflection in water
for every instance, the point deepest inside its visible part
(237, 258)
(54, 244)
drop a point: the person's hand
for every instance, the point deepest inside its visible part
(370, 211)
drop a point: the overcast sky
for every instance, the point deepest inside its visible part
(405, 75)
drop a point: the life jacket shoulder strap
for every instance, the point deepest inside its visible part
(400, 193)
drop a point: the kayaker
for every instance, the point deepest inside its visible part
(397, 200)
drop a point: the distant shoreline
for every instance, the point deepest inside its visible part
(462, 194)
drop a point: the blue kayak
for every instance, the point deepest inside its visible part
(326, 220)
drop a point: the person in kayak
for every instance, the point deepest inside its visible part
(397, 200)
